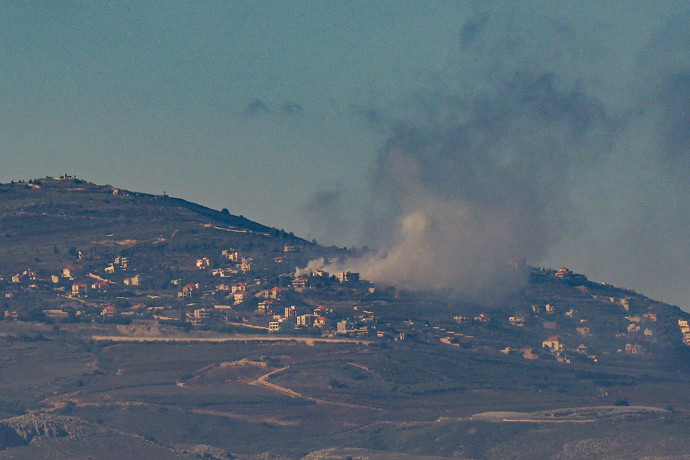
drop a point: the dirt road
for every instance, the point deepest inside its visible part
(234, 338)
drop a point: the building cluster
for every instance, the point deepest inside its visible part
(225, 289)
(684, 330)
(232, 290)
(634, 338)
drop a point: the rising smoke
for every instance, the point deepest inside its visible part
(522, 152)
(458, 197)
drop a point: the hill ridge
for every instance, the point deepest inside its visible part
(75, 184)
(120, 308)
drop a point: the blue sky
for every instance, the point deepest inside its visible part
(300, 114)
(152, 95)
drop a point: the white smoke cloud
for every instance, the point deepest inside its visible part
(311, 266)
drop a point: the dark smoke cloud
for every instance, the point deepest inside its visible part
(256, 108)
(638, 210)
(664, 70)
(293, 108)
(531, 143)
(471, 30)
(324, 211)
(457, 196)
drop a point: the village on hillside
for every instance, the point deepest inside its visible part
(228, 292)
(154, 260)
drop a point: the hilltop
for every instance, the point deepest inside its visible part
(46, 218)
(121, 308)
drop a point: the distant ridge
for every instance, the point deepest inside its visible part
(43, 219)
(71, 183)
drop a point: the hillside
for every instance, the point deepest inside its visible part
(188, 330)
(42, 220)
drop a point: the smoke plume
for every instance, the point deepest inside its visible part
(531, 144)
(458, 196)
